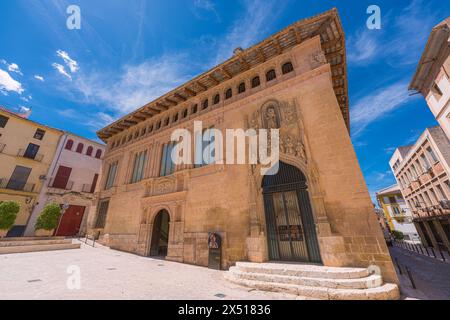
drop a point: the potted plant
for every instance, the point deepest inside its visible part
(8, 214)
(48, 220)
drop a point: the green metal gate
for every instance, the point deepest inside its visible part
(290, 223)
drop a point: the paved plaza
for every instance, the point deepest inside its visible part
(110, 274)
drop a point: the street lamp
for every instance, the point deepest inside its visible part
(64, 207)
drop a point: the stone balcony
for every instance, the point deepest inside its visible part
(438, 169)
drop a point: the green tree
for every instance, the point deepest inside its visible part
(49, 217)
(8, 214)
(398, 235)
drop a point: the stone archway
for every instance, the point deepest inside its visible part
(290, 225)
(160, 234)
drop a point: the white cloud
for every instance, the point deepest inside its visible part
(7, 84)
(70, 63)
(68, 113)
(377, 105)
(364, 46)
(252, 26)
(60, 68)
(100, 120)
(12, 67)
(135, 85)
(208, 6)
(40, 78)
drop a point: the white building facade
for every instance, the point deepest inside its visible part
(423, 174)
(71, 182)
(432, 78)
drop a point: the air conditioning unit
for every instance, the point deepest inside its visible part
(445, 204)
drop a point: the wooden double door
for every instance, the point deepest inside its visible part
(70, 222)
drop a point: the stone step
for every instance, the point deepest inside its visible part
(384, 292)
(26, 242)
(36, 248)
(303, 270)
(29, 238)
(371, 281)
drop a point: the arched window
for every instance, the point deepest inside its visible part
(158, 125)
(175, 117)
(270, 75)
(194, 109)
(166, 122)
(185, 113)
(90, 150)
(256, 82)
(98, 154)
(69, 144)
(205, 104)
(150, 129)
(80, 147)
(216, 99)
(228, 94)
(241, 88)
(287, 67)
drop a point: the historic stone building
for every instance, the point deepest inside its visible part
(316, 209)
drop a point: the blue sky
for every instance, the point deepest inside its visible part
(129, 52)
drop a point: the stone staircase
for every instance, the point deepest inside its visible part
(312, 281)
(34, 244)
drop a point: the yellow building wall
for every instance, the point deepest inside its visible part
(16, 135)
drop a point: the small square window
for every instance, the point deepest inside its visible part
(39, 134)
(3, 121)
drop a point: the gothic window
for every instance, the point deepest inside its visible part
(228, 94)
(140, 160)
(111, 177)
(256, 82)
(270, 75)
(216, 99)
(194, 109)
(167, 165)
(205, 152)
(241, 88)
(205, 104)
(287, 68)
(90, 149)
(98, 154)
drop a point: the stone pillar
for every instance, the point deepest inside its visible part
(431, 234)
(422, 236)
(440, 230)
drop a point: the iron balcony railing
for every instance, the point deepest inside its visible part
(16, 185)
(2, 147)
(69, 185)
(23, 153)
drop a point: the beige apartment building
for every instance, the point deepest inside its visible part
(27, 149)
(432, 77)
(315, 209)
(423, 172)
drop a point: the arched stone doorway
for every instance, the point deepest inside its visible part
(291, 231)
(160, 234)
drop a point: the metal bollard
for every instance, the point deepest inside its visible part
(410, 278)
(434, 253)
(398, 266)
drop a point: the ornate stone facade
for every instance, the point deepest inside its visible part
(228, 199)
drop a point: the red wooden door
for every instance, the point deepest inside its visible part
(71, 221)
(62, 177)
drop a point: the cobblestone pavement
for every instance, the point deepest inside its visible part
(109, 274)
(431, 276)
